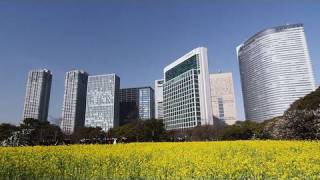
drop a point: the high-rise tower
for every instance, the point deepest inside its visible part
(102, 109)
(222, 97)
(186, 91)
(36, 103)
(158, 97)
(74, 103)
(136, 103)
(275, 70)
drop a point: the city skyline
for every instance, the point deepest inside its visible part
(33, 50)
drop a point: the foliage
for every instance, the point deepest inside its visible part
(42, 132)
(296, 125)
(88, 135)
(243, 130)
(309, 102)
(192, 160)
(33, 132)
(203, 133)
(140, 131)
(300, 121)
(6, 130)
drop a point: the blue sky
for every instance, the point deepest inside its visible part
(134, 39)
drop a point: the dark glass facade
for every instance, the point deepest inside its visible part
(183, 67)
(136, 103)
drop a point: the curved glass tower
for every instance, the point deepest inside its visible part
(275, 70)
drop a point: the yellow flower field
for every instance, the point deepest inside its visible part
(190, 160)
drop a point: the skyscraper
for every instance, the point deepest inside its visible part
(275, 70)
(158, 97)
(146, 103)
(186, 91)
(102, 109)
(36, 103)
(136, 103)
(74, 102)
(222, 97)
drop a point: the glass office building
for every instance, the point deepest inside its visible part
(275, 70)
(102, 105)
(36, 103)
(146, 103)
(186, 91)
(74, 101)
(136, 103)
(158, 97)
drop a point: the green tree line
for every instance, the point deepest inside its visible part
(301, 121)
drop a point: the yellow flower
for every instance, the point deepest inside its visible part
(190, 160)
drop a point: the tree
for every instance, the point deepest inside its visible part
(203, 133)
(32, 132)
(40, 132)
(309, 102)
(300, 121)
(154, 130)
(88, 135)
(242, 130)
(297, 125)
(140, 131)
(7, 130)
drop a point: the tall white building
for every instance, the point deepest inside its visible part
(74, 101)
(186, 91)
(158, 97)
(36, 103)
(102, 109)
(275, 70)
(222, 97)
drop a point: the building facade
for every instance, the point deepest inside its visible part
(102, 105)
(74, 101)
(222, 97)
(186, 91)
(275, 70)
(36, 103)
(136, 103)
(158, 97)
(146, 103)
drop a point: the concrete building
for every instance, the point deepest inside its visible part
(136, 103)
(275, 70)
(222, 97)
(74, 101)
(36, 103)
(186, 91)
(158, 97)
(102, 105)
